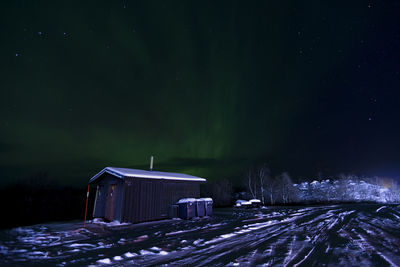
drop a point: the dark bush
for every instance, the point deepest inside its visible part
(37, 199)
(219, 191)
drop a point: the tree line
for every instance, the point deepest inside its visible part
(280, 189)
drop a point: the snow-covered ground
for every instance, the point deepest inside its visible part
(336, 235)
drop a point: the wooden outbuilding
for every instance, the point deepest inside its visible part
(131, 195)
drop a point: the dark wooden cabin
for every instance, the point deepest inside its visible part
(130, 195)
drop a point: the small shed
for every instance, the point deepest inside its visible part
(131, 195)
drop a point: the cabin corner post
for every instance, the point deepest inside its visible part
(86, 207)
(95, 201)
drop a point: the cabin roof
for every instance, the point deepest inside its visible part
(124, 172)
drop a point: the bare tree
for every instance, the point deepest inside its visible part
(342, 187)
(271, 188)
(251, 184)
(285, 187)
(263, 175)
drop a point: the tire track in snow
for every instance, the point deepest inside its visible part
(280, 236)
(256, 238)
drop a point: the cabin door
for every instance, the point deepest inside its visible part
(111, 201)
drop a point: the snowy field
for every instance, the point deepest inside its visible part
(345, 235)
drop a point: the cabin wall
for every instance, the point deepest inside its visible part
(150, 199)
(103, 184)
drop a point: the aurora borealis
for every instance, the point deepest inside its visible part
(207, 88)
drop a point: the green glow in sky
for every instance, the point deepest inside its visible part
(203, 86)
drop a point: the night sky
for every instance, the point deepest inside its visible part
(207, 87)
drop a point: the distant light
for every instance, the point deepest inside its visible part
(39, 33)
(16, 54)
(369, 119)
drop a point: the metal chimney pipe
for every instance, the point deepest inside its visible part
(151, 163)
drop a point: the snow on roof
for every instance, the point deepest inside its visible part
(186, 200)
(124, 172)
